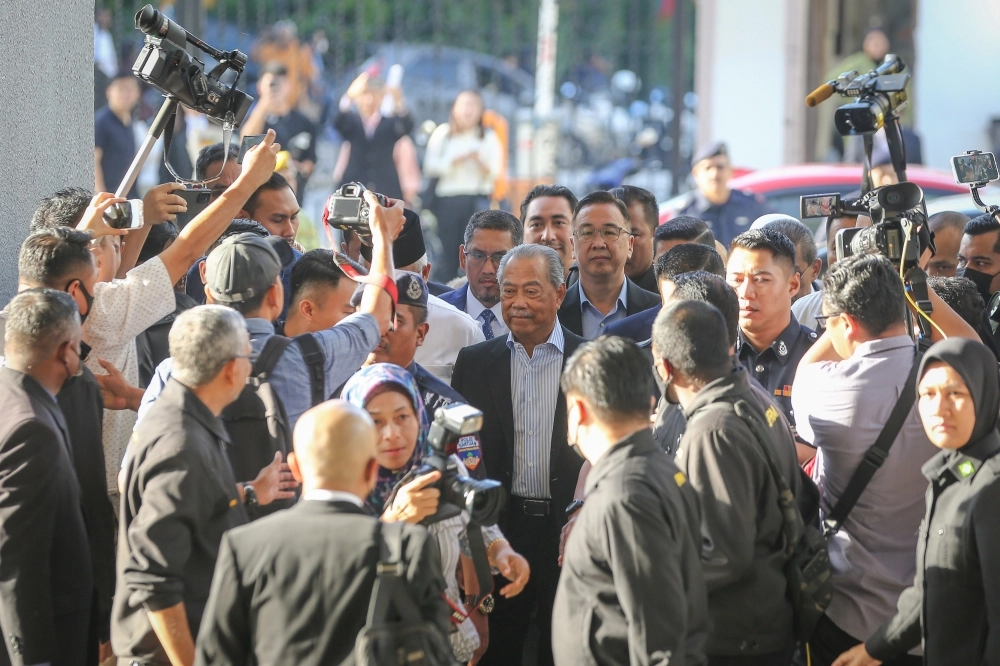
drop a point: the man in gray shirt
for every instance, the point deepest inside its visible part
(845, 388)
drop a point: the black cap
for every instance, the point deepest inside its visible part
(245, 266)
(408, 246)
(713, 149)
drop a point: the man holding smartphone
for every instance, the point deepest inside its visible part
(275, 110)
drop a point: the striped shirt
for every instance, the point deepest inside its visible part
(534, 382)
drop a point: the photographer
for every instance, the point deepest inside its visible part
(391, 397)
(845, 388)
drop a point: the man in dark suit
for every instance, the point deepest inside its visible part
(489, 235)
(265, 605)
(602, 240)
(46, 582)
(525, 449)
(680, 259)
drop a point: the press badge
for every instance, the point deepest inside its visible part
(468, 452)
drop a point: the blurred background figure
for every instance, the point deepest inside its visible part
(281, 44)
(463, 161)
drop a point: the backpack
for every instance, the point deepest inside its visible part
(808, 569)
(410, 640)
(256, 421)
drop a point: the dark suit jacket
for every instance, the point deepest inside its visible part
(482, 376)
(438, 289)
(456, 297)
(371, 157)
(80, 397)
(636, 300)
(293, 588)
(637, 327)
(46, 584)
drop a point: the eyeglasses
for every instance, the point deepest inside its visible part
(821, 320)
(478, 259)
(609, 234)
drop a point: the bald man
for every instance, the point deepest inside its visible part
(304, 576)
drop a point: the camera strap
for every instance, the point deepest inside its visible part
(480, 561)
(876, 454)
(168, 134)
(376, 279)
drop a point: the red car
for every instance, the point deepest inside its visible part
(783, 186)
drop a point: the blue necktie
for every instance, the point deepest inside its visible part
(487, 318)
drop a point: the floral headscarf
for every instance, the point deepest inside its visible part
(359, 389)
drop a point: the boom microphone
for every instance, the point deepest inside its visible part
(821, 94)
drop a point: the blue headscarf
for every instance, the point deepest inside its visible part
(359, 390)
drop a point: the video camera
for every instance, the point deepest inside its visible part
(347, 210)
(880, 92)
(165, 65)
(483, 500)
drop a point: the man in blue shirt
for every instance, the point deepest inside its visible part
(114, 140)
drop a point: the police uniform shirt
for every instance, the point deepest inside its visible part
(436, 394)
(775, 366)
(731, 218)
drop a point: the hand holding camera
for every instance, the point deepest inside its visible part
(416, 500)
(259, 162)
(93, 219)
(385, 217)
(161, 204)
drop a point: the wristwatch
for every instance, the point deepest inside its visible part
(250, 496)
(485, 606)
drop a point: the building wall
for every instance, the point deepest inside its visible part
(750, 78)
(955, 77)
(46, 113)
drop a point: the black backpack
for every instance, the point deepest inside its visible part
(410, 640)
(256, 421)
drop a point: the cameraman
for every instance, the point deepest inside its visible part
(403, 494)
(845, 388)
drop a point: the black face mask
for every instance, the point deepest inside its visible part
(983, 281)
(87, 296)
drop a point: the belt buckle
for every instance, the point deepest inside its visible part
(534, 507)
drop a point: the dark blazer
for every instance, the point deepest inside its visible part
(637, 327)
(490, 361)
(371, 161)
(293, 588)
(46, 582)
(636, 300)
(456, 297)
(438, 289)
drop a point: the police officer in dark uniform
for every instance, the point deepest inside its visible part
(727, 212)
(771, 341)
(400, 345)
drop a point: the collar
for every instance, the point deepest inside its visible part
(964, 462)
(638, 443)
(622, 297)
(28, 383)
(556, 338)
(474, 308)
(873, 347)
(782, 345)
(258, 327)
(325, 495)
(184, 398)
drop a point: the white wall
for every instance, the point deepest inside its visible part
(742, 74)
(956, 85)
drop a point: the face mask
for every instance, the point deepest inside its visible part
(79, 366)
(980, 279)
(664, 386)
(571, 439)
(87, 297)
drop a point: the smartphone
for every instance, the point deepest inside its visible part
(974, 167)
(197, 200)
(126, 215)
(248, 142)
(818, 205)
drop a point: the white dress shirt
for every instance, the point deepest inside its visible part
(450, 331)
(324, 495)
(474, 308)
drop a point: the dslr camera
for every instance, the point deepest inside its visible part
(483, 500)
(165, 65)
(347, 210)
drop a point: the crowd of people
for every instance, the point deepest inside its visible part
(217, 442)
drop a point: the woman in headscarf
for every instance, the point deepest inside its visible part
(953, 607)
(388, 393)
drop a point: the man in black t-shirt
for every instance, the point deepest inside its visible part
(114, 140)
(274, 110)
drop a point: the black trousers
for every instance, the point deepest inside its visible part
(537, 539)
(782, 658)
(453, 215)
(830, 641)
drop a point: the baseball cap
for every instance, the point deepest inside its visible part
(245, 266)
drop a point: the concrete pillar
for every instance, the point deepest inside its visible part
(46, 113)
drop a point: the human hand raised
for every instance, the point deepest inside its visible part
(161, 204)
(415, 501)
(93, 216)
(385, 221)
(259, 162)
